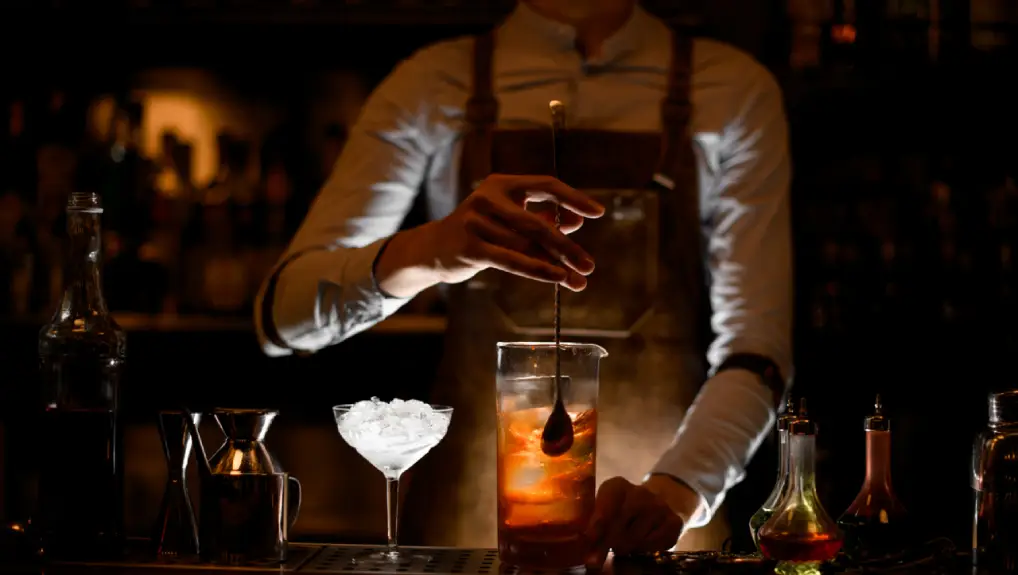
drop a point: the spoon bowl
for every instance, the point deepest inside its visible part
(557, 437)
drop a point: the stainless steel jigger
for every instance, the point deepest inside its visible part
(176, 531)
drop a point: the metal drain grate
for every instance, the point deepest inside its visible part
(142, 560)
(439, 561)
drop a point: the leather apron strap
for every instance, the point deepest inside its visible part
(677, 161)
(676, 166)
(482, 116)
(677, 171)
(677, 181)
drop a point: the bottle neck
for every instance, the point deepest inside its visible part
(802, 463)
(83, 292)
(781, 485)
(878, 458)
(783, 453)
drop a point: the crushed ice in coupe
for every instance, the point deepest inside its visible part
(393, 435)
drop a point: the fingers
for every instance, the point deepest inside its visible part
(522, 242)
(568, 221)
(539, 230)
(667, 534)
(630, 519)
(636, 535)
(516, 263)
(611, 496)
(635, 513)
(547, 188)
(651, 525)
(534, 263)
(494, 232)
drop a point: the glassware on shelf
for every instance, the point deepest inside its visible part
(875, 524)
(800, 535)
(545, 503)
(767, 509)
(391, 436)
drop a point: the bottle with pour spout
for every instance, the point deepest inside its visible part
(875, 524)
(767, 509)
(800, 535)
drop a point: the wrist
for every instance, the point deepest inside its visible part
(404, 267)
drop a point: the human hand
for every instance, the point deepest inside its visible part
(630, 519)
(492, 228)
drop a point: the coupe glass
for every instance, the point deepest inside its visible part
(392, 436)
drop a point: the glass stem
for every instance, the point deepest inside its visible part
(392, 512)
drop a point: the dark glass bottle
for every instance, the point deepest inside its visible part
(81, 357)
(875, 524)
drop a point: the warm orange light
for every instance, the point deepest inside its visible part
(843, 34)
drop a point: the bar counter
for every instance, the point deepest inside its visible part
(336, 558)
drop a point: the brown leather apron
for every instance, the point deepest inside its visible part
(645, 303)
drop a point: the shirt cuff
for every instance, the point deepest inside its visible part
(326, 296)
(719, 435)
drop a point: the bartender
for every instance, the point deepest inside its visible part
(674, 246)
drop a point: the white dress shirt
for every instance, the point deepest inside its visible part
(408, 135)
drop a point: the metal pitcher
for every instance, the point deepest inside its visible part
(248, 503)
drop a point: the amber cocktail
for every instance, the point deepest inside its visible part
(545, 503)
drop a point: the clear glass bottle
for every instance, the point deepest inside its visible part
(995, 485)
(800, 535)
(875, 524)
(81, 358)
(767, 509)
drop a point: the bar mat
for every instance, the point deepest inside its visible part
(298, 555)
(429, 561)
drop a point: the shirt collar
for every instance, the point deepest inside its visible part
(536, 31)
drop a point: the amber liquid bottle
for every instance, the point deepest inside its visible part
(800, 535)
(876, 523)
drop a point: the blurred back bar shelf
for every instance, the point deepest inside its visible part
(317, 12)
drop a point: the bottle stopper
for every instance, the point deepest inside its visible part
(878, 421)
(1004, 408)
(789, 414)
(802, 424)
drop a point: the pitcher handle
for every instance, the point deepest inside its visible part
(293, 505)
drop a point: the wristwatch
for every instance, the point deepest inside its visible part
(764, 367)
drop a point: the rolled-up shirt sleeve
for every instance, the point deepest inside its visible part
(750, 262)
(323, 289)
